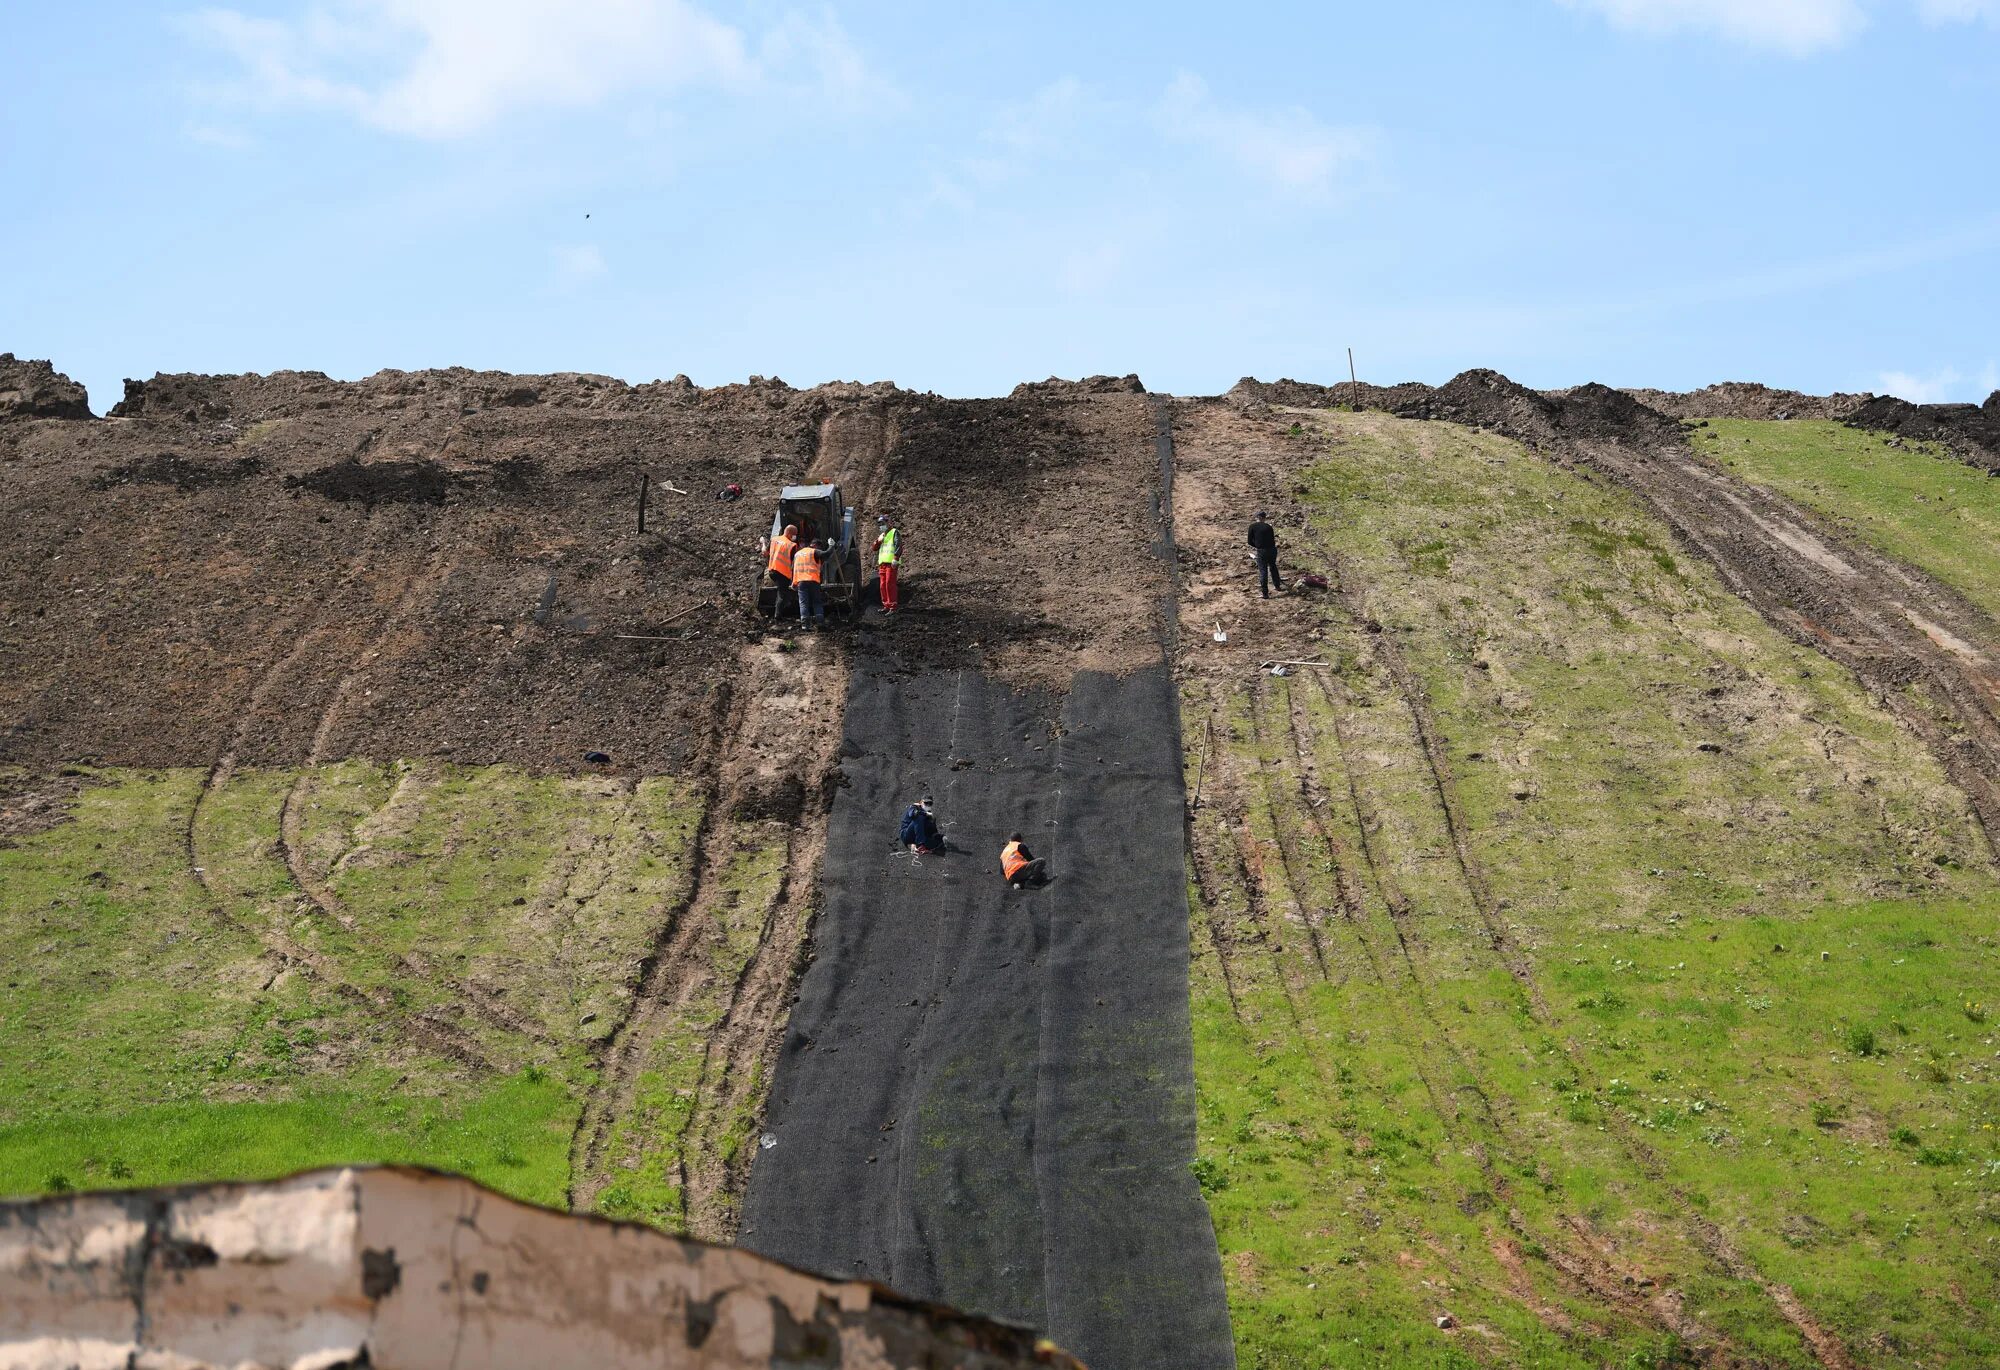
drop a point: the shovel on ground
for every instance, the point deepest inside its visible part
(1220, 636)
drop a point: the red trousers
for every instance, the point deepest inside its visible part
(886, 584)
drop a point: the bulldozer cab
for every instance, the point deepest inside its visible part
(816, 511)
(819, 514)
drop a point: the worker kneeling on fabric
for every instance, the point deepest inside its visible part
(1021, 866)
(920, 832)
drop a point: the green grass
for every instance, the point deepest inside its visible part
(148, 1034)
(1917, 503)
(666, 1121)
(1659, 791)
(512, 1134)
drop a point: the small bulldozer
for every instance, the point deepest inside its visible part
(817, 512)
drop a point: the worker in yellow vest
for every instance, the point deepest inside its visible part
(888, 562)
(1020, 866)
(805, 575)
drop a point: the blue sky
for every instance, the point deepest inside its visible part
(1644, 192)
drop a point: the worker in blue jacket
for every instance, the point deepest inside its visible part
(920, 831)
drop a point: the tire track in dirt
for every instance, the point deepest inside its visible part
(1891, 625)
(771, 749)
(442, 1037)
(480, 1000)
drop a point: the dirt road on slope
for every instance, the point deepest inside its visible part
(1930, 656)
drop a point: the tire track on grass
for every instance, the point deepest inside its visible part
(1708, 1236)
(1575, 1261)
(441, 1037)
(468, 994)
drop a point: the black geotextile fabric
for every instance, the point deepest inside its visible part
(985, 1097)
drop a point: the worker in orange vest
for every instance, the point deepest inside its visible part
(1020, 866)
(805, 575)
(778, 563)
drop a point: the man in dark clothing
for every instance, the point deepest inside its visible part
(920, 831)
(1264, 542)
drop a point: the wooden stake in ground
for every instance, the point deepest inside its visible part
(1353, 381)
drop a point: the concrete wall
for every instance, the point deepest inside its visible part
(412, 1270)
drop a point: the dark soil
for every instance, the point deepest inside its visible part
(1029, 525)
(1748, 400)
(1588, 414)
(1308, 395)
(365, 560)
(1970, 431)
(36, 390)
(1057, 388)
(185, 473)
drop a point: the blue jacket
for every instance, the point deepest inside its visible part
(919, 828)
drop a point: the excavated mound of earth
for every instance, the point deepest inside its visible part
(1748, 400)
(1970, 431)
(1588, 414)
(36, 390)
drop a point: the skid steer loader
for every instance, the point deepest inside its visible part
(817, 512)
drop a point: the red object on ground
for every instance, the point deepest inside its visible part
(886, 585)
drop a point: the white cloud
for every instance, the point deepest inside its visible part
(578, 263)
(1959, 11)
(1290, 147)
(447, 68)
(1940, 387)
(1793, 27)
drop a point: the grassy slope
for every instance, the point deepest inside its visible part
(147, 1035)
(1660, 793)
(1917, 503)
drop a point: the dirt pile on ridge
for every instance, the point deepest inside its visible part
(1970, 431)
(36, 390)
(1090, 385)
(1747, 400)
(1589, 414)
(1311, 395)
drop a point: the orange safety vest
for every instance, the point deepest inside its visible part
(781, 554)
(1011, 859)
(805, 567)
